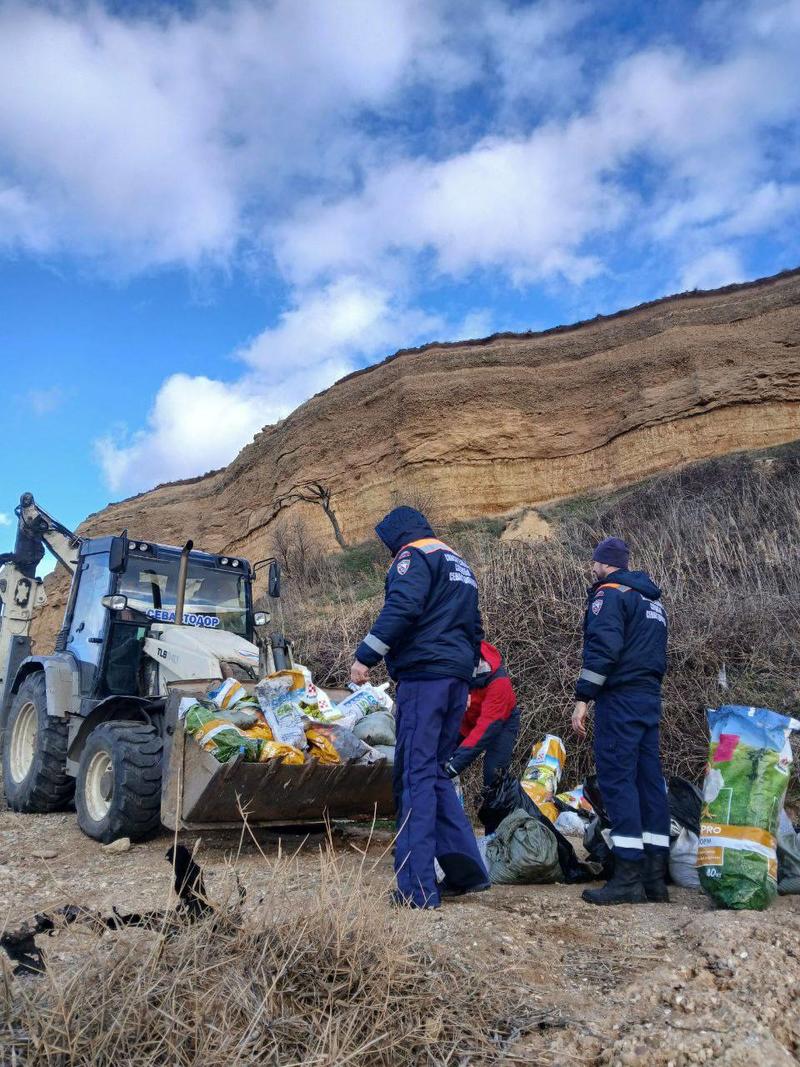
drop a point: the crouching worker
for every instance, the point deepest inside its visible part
(624, 661)
(491, 723)
(429, 634)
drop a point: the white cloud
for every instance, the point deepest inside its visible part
(530, 206)
(198, 423)
(712, 269)
(45, 401)
(332, 142)
(195, 424)
(5, 519)
(151, 138)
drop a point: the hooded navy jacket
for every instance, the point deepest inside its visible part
(624, 636)
(430, 625)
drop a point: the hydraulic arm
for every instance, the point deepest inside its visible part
(20, 590)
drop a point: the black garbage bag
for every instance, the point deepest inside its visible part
(685, 805)
(591, 790)
(597, 848)
(504, 795)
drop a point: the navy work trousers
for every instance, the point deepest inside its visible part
(629, 770)
(431, 822)
(499, 750)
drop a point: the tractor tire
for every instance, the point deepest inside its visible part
(118, 789)
(35, 775)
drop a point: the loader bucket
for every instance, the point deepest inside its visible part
(198, 792)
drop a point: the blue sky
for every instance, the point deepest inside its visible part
(210, 211)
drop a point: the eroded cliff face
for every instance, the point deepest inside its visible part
(486, 427)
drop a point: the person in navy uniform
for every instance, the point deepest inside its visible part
(491, 723)
(624, 661)
(429, 634)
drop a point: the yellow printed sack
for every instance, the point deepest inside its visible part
(321, 746)
(543, 773)
(287, 754)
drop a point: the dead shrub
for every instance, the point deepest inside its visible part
(721, 538)
(330, 975)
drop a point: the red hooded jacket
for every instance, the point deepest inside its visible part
(490, 701)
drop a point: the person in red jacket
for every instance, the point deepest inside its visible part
(491, 722)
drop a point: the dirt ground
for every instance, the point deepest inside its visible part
(650, 984)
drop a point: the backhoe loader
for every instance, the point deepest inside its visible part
(97, 721)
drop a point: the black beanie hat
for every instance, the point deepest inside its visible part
(613, 552)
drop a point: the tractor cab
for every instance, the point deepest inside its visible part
(124, 589)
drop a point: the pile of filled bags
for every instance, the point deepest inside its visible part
(733, 839)
(293, 721)
(524, 843)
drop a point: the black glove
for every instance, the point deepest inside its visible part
(450, 770)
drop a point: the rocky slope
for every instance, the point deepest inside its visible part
(487, 427)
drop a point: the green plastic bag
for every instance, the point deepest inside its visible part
(219, 736)
(746, 780)
(523, 852)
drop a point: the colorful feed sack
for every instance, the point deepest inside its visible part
(745, 784)
(543, 773)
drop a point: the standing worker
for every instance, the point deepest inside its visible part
(491, 723)
(624, 661)
(429, 632)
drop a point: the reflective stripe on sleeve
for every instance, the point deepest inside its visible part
(659, 840)
(626, 842)
(592, 676)
(376, 644)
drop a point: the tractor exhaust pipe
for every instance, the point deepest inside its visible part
(183, 570)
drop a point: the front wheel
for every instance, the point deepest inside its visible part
(35, 777)
(118, 789)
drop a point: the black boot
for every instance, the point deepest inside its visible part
(624, 887)
(653, 875)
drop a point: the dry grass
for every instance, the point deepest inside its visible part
(723, 540)
(325, 975)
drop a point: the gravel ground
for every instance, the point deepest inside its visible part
(651, 984)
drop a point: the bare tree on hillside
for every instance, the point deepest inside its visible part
(295, 548)
(312, 493)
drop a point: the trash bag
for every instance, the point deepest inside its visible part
(683, 859)
(504, 795)
(387, 751)
(279, 696)
(543, 773)
(597, 835)
(286, 754)
(326, 740)
(746, 778)
(574, 800)
(219, 736)
(366, 700)
(596, 839)
(523, 852)
(788, 862)
(259, 731)
(685, 805)
(376, 729)
(570, 823)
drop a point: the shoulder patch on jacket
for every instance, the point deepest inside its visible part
(597, 604)
(403, 563)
